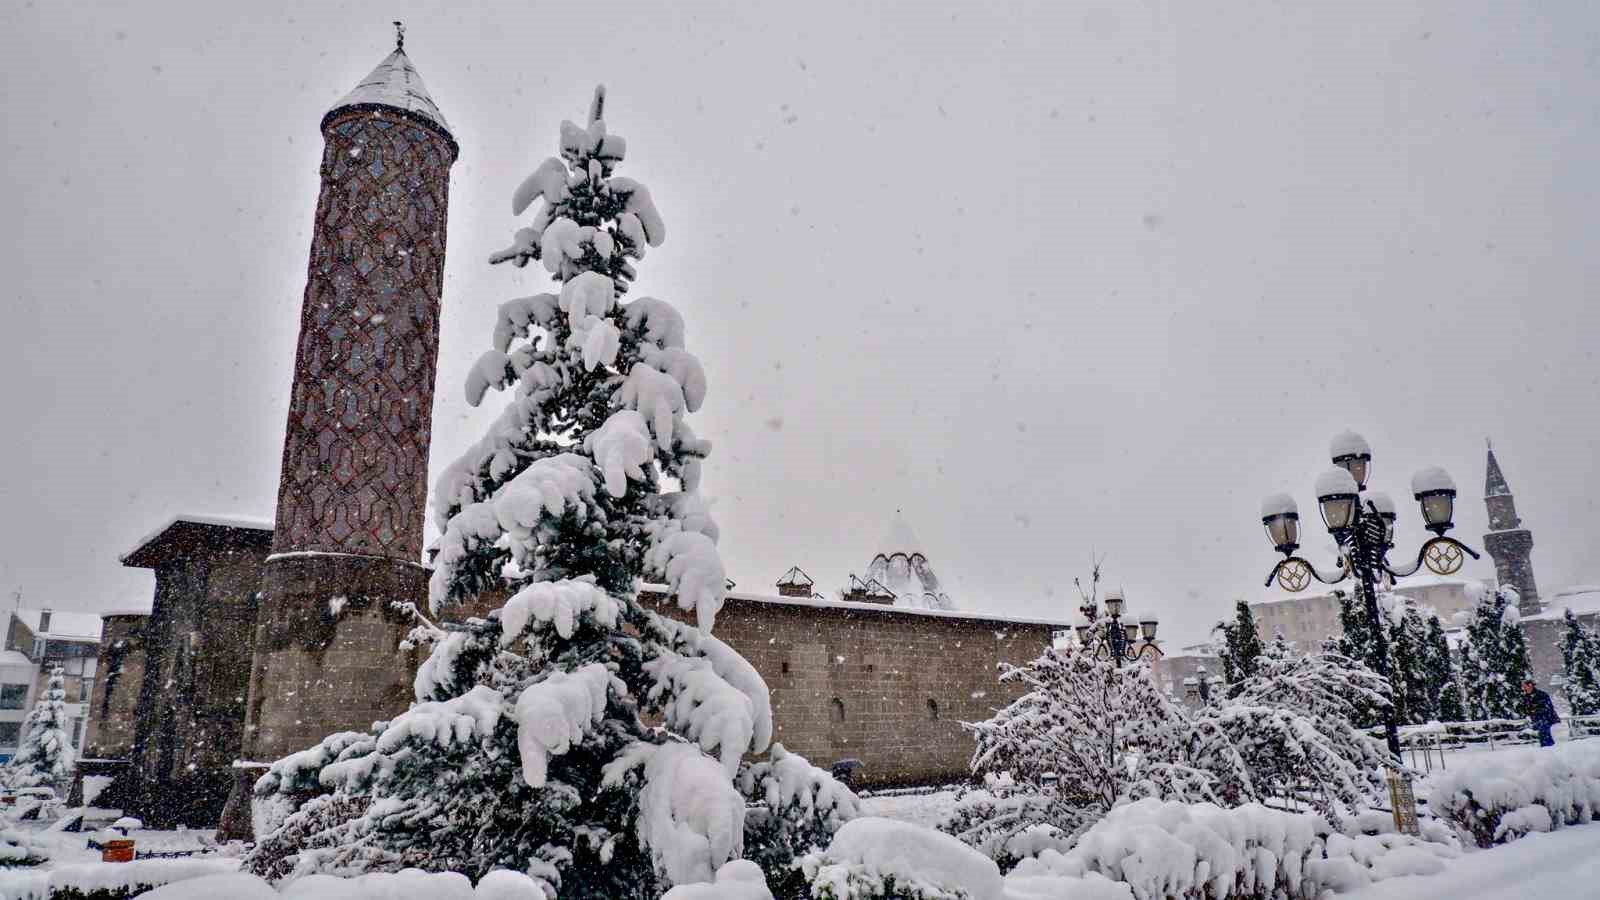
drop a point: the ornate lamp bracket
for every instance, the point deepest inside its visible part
(1442, 555)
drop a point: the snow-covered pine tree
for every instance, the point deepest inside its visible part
(1241, 645)
(1444, 696)
(1494, 659)
(1068, 740)
(1289, 731)
(1580, 659)
(528, 746)
(45, 756)
(1408, 661)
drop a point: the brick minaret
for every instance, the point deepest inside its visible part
(347, 539)
(1508, 544)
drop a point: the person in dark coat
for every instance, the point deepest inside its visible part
(1541, 712)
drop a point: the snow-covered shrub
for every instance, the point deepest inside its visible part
(740, 879)
(18, 848)
(1067, 741)
(1580, 666)
(880, 859)
(1202, 851)
(1288, 731)
(45, 756)
(1003, 820)
(793, 808)
(1499, 797)
(527, 747)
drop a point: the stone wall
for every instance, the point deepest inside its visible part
(113, 708)
(884, 685)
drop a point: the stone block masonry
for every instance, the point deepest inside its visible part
(886, 685)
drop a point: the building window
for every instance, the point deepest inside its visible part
(44, 622)
(836, 710)
(10, 734)
(85, 689)
(785, 667)
(77, 732)
(13, 696)
(933, 709)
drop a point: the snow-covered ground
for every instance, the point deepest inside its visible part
(927, 808)
(1562, 864)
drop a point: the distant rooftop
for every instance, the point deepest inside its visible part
(64, 625)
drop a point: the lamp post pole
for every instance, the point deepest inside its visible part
(1364, 531)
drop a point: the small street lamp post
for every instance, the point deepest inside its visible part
(1364, 532)
(1109, 637)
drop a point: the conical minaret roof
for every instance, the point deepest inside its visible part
(1494, 480)
(394, 84)
(902, 567)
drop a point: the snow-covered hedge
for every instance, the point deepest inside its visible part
(1200, 850)
(876, 859)
(1503, 796)
(107, 881)
(20, 849)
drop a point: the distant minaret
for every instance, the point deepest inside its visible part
(347, 541)
(1509, 544)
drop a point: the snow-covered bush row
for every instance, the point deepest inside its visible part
(1200, 850)
(18, 848)
(573, 734)
(1145, 850)
(883, 858)
(408, 884)
(1505, 795)
(106, 881)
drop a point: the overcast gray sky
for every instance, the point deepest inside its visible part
(1050, 277)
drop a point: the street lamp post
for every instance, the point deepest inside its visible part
(1364, 532)
(1109, 637)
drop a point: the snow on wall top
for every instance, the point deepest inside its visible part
(877, 608)
(1583, 600)
(395, 83)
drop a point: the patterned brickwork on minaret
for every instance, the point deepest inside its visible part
(1510, 545)
(347, 539)
(355, 454)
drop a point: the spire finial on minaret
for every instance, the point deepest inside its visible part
(399, 35)
(597, 108)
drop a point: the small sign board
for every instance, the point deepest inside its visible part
(1404, 803)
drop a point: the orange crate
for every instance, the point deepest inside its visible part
(116, 851)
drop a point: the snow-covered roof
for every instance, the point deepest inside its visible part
(396, 84)
(903, 569)
(795, 576)
(1583, 599)
(64, 625)
(131, 558)
(14, 658)
(880, 608)
(1494, 480)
